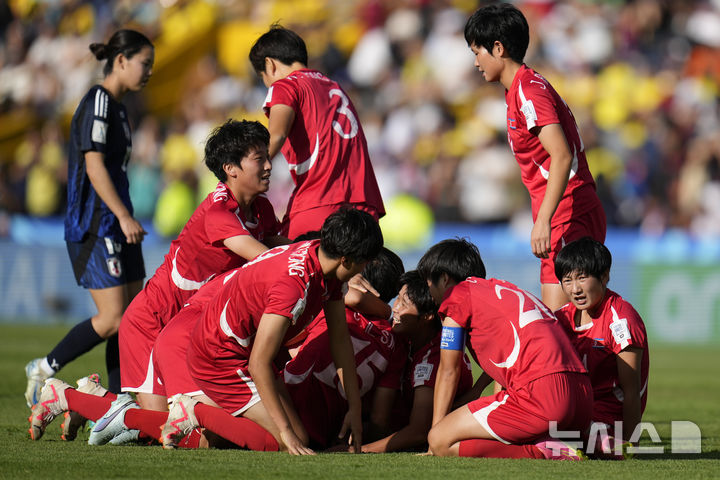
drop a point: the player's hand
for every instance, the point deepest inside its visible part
(293, 444)
(131, 228)
(358, 282)
(352, 422)
(540, 239)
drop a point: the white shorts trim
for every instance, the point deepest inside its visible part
(255, 395)
(482, 417)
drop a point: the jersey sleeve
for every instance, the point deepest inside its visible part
(626, 328)
(456, 306)
(93, 122)
(222, 223)
(564, 318)
(287, 297)
(281, 92)
(537, 104)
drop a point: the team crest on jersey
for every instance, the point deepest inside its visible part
(114, 267)
(598, 343)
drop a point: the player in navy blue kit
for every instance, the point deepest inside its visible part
(103, 238)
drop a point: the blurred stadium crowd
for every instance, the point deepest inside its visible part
(641, 77)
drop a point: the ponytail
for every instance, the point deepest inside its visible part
(127, 42)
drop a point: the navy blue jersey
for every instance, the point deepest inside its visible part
(100, 125)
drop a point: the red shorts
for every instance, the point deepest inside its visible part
(590, 224)
(524, 416)
(313, 219)
(141, 324)
(170, 352)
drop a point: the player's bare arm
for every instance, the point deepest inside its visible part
(101, 182)
(628, 365)
(267, 342)
(554, 142)
(448, 377)
(276, 241)
(362, 297)
(279, 124)
(344, 358)
(245, 246)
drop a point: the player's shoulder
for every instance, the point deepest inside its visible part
(617, 306)
(531, 83)
(95, 102)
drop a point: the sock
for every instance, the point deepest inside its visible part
(241, 431)
(87, 405)
(192, 440)
(149, 422)
(80, 339)
(481, 447)
(112, 363)
(46, 368)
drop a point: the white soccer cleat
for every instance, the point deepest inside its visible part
(181, 420)
(73, 420)
(556, 449)
(35, 381)
(52, 402)
(112, 424)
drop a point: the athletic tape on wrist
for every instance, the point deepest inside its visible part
(453, 338)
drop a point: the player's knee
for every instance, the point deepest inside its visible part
(438, 445)
(107, 324)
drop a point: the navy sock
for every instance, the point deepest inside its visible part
(112, 362)
(80, 339)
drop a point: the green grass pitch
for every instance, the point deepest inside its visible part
(684, 385)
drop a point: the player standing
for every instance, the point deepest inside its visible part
(544, 138)
(608, 334)
(518, 343)
(316, 127)
(103, 239)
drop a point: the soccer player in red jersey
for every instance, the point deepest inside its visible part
(315, 126)
(518, 343)
(608, 334)
(233, 224)
(415, 322)
(544, 138)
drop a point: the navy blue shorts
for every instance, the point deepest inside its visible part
(99, 262)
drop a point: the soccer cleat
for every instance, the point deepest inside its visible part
(112, 424)
(605, 449)
(51, 403)
(73, 420)
(556, 449)
(35, 381)
(181, 420)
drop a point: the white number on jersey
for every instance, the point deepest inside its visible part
(344, 110)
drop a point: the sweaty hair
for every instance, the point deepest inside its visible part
(503, 23)
(351, 233)
(278, 43)
(419, 293)
(383, 272)
(231, 142)
(127, 42)
(585, 256)
(456, 257)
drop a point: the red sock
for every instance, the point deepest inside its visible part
(241, 431)
(493, 449)
(192, 440)
(149, 422)
(89, 406)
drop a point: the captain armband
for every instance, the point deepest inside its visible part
(453, 338)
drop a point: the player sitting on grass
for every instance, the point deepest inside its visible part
(608, 334)
(415, 321)
(518, 343)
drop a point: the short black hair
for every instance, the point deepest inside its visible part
(281, 44)
(456, 257)
(383, 272)
(231, 142)
(586, 256)
(419, 293)
(128, 42)
(503, 23)
(351, 233)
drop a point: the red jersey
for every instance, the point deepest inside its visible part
(511, 334)
(616, 327)
(326, 148)
(312, 381)
(532, 102)
(286, 280)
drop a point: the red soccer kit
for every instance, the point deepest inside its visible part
(326, 150)
(518, 342)
(195, 257)
(533, 102)
(616, 327)
(312, 381)
(287, 281)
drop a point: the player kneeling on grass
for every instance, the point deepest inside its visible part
(518, 343)
(608, 334)
(415, 322)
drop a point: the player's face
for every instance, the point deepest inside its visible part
(406, 318)
(584, 291)
(255, 173)
(137, 69)
(348, 269)
(486, 63)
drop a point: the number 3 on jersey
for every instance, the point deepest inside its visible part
(344, 110)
